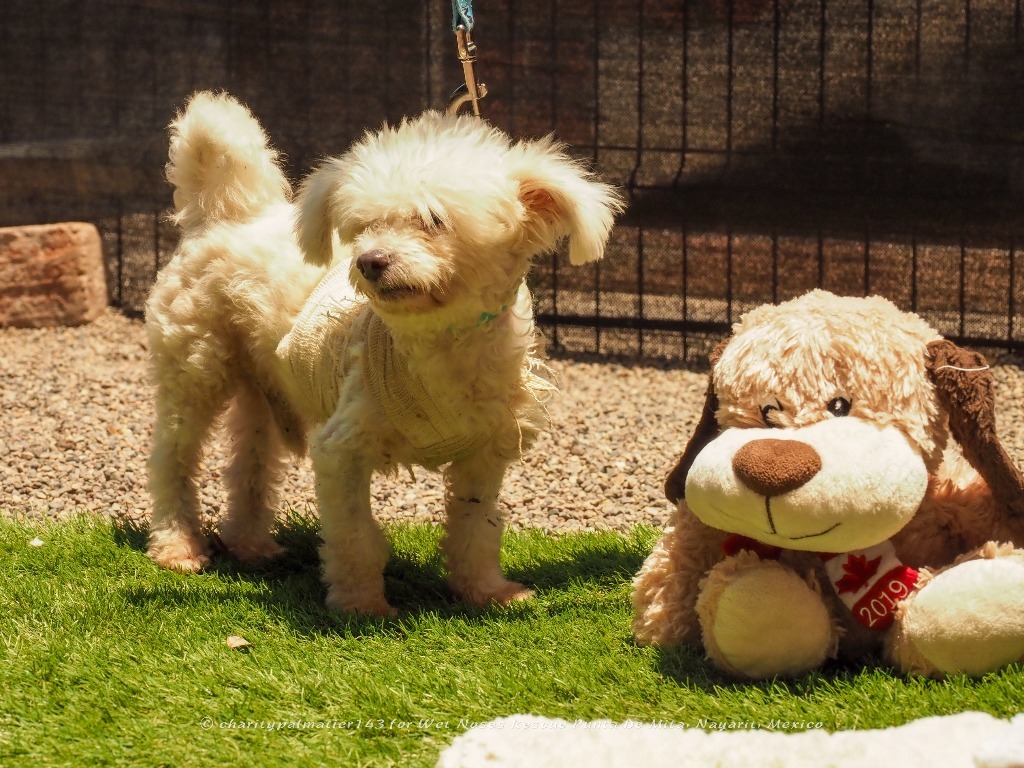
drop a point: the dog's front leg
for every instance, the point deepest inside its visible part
(475, 526)
(354, 550)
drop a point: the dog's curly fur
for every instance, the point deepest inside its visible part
(432, 226)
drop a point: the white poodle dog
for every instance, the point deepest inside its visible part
(384, 314)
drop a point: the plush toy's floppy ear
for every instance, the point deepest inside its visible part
(964, 385)
(564, 199)
(705, 432)
(314, 222)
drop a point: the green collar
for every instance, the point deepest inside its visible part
(488, 317)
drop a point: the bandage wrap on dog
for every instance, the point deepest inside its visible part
(428, 423)
(334, 332)
(318, 349)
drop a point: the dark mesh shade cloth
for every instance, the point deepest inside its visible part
(766, 146)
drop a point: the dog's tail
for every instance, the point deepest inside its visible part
(220, 163)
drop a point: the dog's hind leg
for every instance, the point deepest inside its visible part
(258, 465)
(184, 418)
(475, 525)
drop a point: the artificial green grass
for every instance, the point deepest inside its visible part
(107, 660)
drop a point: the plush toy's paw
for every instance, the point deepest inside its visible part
(968, 618)
(761, 619)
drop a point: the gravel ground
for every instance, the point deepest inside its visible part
(76, 420)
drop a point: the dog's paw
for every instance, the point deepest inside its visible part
(364, 605)
(178, 551)
(513, 593)
(251, 550)
(184, 558)
(501, 593)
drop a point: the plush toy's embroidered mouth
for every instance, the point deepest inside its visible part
(771, 522)
(813, 535)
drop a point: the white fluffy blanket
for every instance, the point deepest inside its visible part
(969, 739)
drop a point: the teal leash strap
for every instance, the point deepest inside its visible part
(471, 91)
(462, 14)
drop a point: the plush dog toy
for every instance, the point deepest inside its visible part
(820, 513)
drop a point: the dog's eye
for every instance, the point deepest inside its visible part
(433, 222)
(768, 409)
(839, 406)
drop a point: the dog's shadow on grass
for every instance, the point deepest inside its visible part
(566, 575)
(290, 585)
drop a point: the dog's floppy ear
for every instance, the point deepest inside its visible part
(964, 384)
(705, 432)
(315, 222)
(563, 199)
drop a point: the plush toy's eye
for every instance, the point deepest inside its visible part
(839, 406)
(768, 409)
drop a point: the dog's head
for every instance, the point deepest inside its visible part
(444, 213)
(824, 419)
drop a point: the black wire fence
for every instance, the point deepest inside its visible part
(766, 146)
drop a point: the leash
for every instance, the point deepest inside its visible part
(471, 90)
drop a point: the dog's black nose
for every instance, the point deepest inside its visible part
(373, 263)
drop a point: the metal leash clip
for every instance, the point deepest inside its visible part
(471, 90)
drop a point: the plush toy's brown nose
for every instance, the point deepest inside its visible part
(772, 467)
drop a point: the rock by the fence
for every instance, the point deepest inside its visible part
(51, 274)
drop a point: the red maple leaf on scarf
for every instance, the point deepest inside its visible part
(859, 571)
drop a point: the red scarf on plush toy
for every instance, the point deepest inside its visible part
(870, 582)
